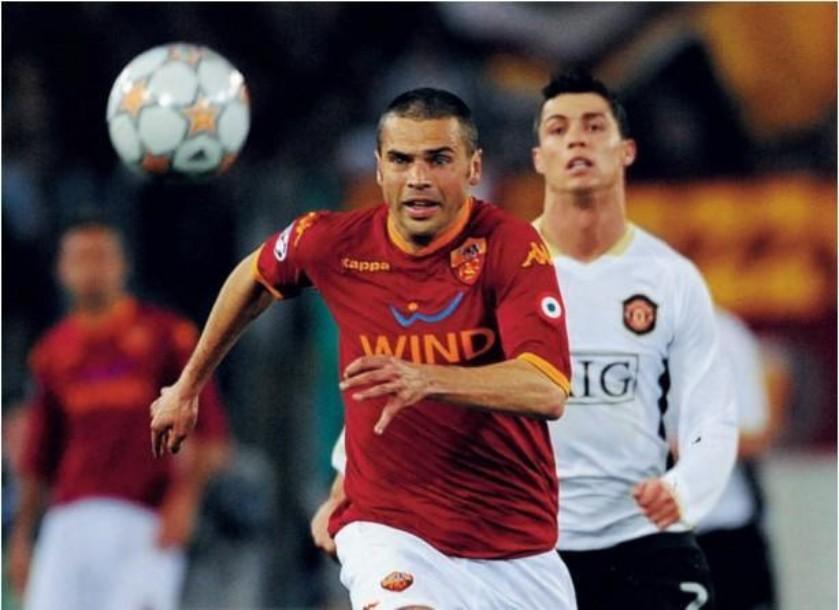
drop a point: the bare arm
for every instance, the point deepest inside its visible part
(513, 386)
(241, 300)
(29, 509)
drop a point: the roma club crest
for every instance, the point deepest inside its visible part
(397, 581)
(639, 313)
(468, 260)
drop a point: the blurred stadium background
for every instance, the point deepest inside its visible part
(734, 109)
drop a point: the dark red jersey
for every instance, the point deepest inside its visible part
(88, 431)
(471, 483)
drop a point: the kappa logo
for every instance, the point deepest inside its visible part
(537, 255)
(448, 309)
(397, 581)
(365, 266)
(468, 260)
(639, 314)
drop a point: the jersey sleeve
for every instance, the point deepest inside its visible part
(703, 396)
(284, 257)
(212, 422)
(530, 309)
(44, 429)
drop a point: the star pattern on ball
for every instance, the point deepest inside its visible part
(135, 98)
(201, 116)
(156, 164)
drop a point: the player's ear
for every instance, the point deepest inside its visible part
(475, 167)
(630, 151)
(536, 155)
(378, 168)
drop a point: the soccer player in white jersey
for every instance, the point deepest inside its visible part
(642, 334)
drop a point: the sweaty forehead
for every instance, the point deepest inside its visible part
(415, 136)
(575, 105)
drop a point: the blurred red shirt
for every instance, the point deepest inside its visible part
(88, 429)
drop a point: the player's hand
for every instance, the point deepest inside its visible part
(173, 417)
(20, 554)
(658, 502)
(402, 382)
(320, 524)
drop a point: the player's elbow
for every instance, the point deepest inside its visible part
(554, 405)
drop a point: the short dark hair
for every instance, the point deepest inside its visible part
(93, 221)
(89, 219)
(583, 82)
(427, 103)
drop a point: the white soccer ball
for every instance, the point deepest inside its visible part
(179, 110)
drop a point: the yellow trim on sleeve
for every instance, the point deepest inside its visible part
(257, 274)
(548, 369)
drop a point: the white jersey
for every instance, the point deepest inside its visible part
(737, 505)
(642, 335)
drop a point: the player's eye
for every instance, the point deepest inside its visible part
(596, 126)
(440, 159)
(398, 159)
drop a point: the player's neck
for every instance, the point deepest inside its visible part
(584, 226)
(98, 306)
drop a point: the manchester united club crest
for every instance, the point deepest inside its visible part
(397, 581)
(468, 260)
(639, 313)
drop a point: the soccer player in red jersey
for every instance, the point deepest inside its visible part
(454, 353)
(113, 535)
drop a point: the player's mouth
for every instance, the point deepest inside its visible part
(421, 209)
(579, 165)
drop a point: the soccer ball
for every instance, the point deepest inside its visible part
(179, 110)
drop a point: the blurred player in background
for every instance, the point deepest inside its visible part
(453, 351)
(643, 335)
(732, 534)
(113, 536)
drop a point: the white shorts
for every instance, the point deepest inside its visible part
(386, 569)
(100, 554)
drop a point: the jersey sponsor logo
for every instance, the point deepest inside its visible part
(603, 377)
(468, 260)
(364, 266)
(397, 581)
(639, 314)
(537, 255)
(281, 245)
(445, 312)
(549, 308)
(446, 348)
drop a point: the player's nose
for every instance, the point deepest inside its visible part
(418, 176)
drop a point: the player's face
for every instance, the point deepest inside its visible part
(425, 171)
(580, 145)
(91, 266)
